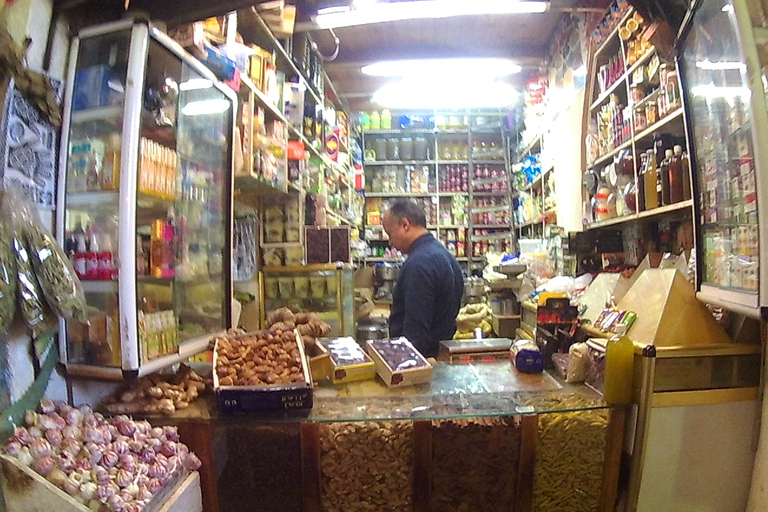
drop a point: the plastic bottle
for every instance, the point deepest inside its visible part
(375, 120)
(386, 119)
(619, 361)
(80, 249)
(92, 257)
(641, 182)
(664, 177)
(649, 178)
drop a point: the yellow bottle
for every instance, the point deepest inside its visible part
(619, 359)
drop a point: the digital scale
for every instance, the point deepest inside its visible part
(473, 350)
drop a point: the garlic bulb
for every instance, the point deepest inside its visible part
(127, 462)
(191, 462)
(168, 448)
(123, 478)
(70, 446)
(40, 448)
(71, 486)
(54, 437)
(43, 464)
(94, 505)
(109, 459)
(121, 447)
(46, 406)
(12, 446)
(35, 432)
(88, 490)
(157, 433)
(24, 457)
(116, 503)
(171, 433)
(30, 418)
(22, 435)
(57, 477)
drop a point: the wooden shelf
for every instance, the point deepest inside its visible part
(614, 33)
(656, 212)
(675, 114)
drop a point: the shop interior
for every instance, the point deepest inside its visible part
(196, 282)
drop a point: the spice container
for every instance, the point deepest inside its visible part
(420, 149)
(406, 148)
(393, 149)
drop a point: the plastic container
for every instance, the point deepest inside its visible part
(380, 148)
(393, 149)
(406, 148)
(619, 361)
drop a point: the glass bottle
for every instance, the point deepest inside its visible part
(664, 172)
(686, 165)
(641, 182)
(619, 362)
(650, 179)
(676, 175)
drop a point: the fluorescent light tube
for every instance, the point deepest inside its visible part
(419, 9)
(486, 67)
(199, 108)
(194, 84)
(412, 93)
(721, 65)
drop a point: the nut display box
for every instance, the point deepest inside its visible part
(263, 371)
(398, 363)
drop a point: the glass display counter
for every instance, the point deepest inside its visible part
(323, 289)
(480, 435)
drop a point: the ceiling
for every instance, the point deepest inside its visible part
(521, 37)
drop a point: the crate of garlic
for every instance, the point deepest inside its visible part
(74, 459)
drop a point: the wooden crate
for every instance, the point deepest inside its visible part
(26, 491)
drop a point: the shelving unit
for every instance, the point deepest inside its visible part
(452, 169)
(640, 111)
(538, 189)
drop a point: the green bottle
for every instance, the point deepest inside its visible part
(619, 361)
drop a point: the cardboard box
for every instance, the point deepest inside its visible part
(320, 364)
(397, 376)
(293, 396)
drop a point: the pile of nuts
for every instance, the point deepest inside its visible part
(267, 357)
(367, 466)
(569, 458)
(474, 464)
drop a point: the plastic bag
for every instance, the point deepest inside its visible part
(577, 363)
(45, 276)
(7, 278)
(57, 278)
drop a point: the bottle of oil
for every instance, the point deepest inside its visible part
(650, 177)
(619, 360)
(686, 164)
(664, 177)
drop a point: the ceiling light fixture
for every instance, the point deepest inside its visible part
(380, 12)
(411, 93)
(437, 68)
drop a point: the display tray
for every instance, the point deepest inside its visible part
(464, 351)
(294, 396)
(357, 366)
(393, 374)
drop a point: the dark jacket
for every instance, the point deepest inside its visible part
(427, 296)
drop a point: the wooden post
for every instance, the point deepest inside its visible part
(197, 435)
(614, 438)
(526, 471)
(422, 465)
(310, 466)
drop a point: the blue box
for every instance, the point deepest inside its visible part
(92, 88)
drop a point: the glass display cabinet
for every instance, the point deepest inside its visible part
(144, 201)
(325, 289)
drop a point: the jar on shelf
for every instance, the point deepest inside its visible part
(380, 148)
(406, 148)
(393, 149)
(420, 148)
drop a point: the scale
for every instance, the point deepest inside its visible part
(473, 350)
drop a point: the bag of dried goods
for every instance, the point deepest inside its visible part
(7, 278)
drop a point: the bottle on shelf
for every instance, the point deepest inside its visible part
(80, 248)
(110, 172)
(92, 256)
(676, 175)
(664, 172)
(686, 165)
(619, 362)
(641, 181)
(650, 179)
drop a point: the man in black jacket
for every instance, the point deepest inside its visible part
(427, 295)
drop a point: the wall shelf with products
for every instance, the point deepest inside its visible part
(459, 171)
(635, 115)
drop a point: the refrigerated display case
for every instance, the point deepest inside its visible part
(325, 289)
(144, 201)
(727, 126)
